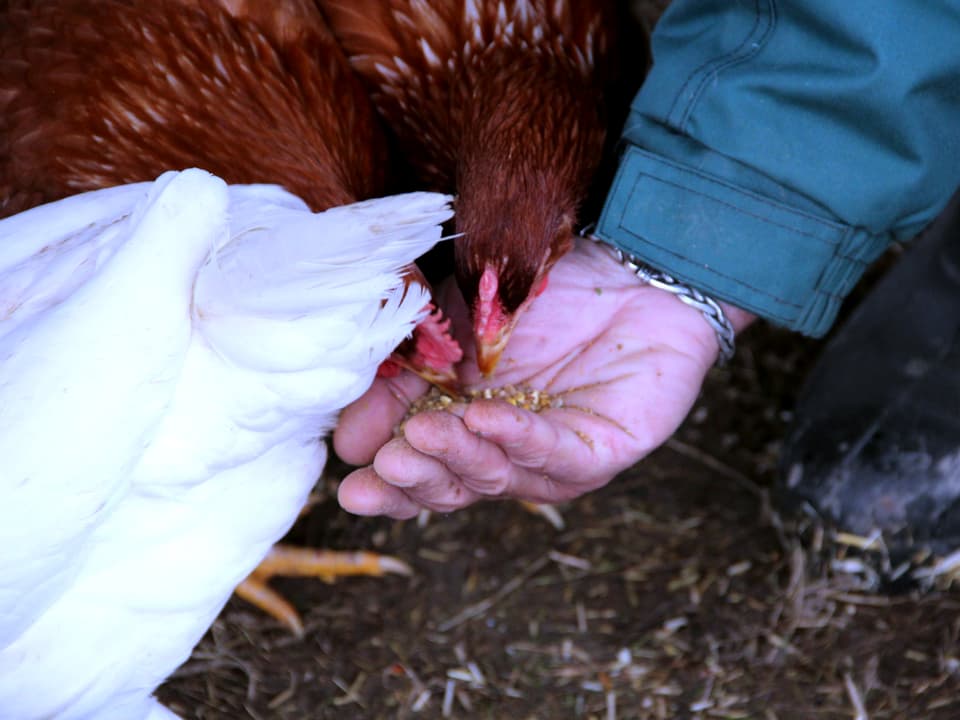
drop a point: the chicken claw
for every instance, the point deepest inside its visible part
(288, 561)
(547, 512)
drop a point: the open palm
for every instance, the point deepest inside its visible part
(623, 362)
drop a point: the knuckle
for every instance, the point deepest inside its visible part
(493, 485)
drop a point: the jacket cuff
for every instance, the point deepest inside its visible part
(779, 261)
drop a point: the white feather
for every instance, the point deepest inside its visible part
(170, 357)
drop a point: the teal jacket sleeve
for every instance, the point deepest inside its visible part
(778, 146)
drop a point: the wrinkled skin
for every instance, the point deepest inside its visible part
(627, 359)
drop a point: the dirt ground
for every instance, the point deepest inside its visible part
(672, 593)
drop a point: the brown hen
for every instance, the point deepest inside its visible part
(95, 93)
(501, 100)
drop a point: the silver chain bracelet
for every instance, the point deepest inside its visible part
(708, 307)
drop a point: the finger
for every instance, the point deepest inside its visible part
(363, 492)
(367, 423)
(527, 439)
(423, 478)
(562, 460)
(481, 466)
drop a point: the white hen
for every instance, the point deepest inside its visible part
(171, 356)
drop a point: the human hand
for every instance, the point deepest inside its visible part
(627, 360)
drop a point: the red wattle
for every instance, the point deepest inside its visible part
(434, 345)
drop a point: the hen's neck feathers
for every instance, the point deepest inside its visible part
(434, 66)
(502, 101)
(98, 93)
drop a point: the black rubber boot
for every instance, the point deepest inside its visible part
(875, 443)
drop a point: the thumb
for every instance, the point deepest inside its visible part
(369, 422)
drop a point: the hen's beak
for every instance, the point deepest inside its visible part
(488, 355)
(492, 323)
(490, 345)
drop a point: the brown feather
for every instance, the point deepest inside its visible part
(500, 100)
(96, 93)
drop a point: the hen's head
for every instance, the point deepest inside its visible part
(527, 155)
(502, 100)
(503, 259)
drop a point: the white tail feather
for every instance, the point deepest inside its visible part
(331, 278)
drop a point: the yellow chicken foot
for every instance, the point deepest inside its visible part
(547, 512)
(288, 561)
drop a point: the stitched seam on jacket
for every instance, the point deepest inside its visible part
(815, 289)
(732, 61)
(823, 241)
(712, 271)
(707, 71)
(706, 63)
(713, 179)
(622, 226)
